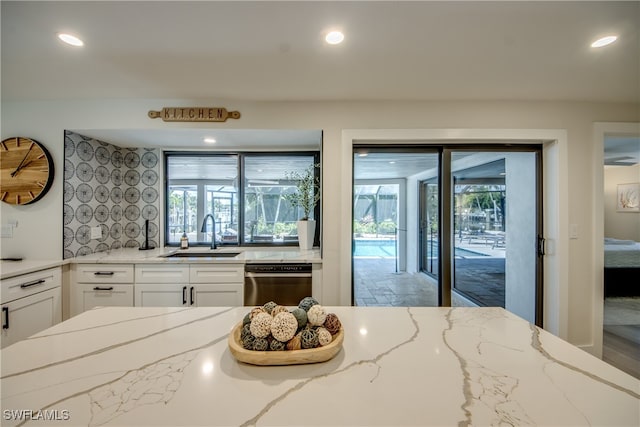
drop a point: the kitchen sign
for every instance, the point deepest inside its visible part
(194, 114)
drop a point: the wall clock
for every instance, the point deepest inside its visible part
(26, 171)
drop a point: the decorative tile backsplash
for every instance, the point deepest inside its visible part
(110, 187)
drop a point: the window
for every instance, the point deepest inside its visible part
(243, 192)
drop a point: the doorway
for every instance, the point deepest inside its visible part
(469, 242)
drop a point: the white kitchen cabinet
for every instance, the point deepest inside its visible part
(199, 295)
(30, 304)
(161, 295)
(101, 285)
(218, 295)
(162, 273)
(217, 285)
(189, 285)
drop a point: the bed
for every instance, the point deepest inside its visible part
(621, 268)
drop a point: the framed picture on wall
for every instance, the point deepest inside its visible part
(628, 197)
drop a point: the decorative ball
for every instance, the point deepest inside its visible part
(247, 319)
(261, 325)
(324, 336)
(295, 342)
(309, 338)
(316, 315)
(256, 311)
(268, 307)
(260, 344)
(246, 330)
(247, 342)
(307, 302)
(332, 323)
(301, 317)
(284, 326)
(279, 309)
(277, 345)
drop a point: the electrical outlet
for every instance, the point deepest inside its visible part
(6, 231)
(96, 232)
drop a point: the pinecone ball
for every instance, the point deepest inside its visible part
(260, 326)
(295, 343)
(307, 302)
(284, 326)
(332, 324)
(316, 315)
(324, 336)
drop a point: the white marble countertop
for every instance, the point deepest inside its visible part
(135, 256)
(398, 366)
(16, 268)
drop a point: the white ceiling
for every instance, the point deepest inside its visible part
(416, 50)
(264, 50)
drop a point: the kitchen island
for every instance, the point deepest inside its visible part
(398, 366)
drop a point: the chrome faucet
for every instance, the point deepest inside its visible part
(213, 231)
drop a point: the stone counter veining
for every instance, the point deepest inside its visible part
(398, 366)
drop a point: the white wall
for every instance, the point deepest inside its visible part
(39, 235)
(620, 225)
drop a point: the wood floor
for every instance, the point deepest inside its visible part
(621, 348)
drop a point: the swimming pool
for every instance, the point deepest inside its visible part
(387, 249)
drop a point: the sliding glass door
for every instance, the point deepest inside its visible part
(473, 217)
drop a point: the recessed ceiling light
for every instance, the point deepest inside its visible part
(392, 162)
(70, 39)
(604, 41)
(210, 140)
(334, 37)
(362, 154)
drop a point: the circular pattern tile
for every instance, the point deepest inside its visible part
(117, 158)
(84, 150)
(67, 214)
(132, 212)
(116, 213)
(149, 159)
(84, 214)
(116, 177)
(149, 195)
(101, 193)
(149, 212)
(68, 192)
(101, 213)
(116, 195)
(132, 177)
(131, 159)
(149, 177)
(102, 174)
(83, 234)
(102, 155)
(84, 193)
(69, 169)
(84, 172)
(132, 230)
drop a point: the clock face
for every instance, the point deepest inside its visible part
(26, 171)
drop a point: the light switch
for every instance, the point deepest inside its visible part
(96, 232)
(573, 231)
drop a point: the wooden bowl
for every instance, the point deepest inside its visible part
(285, 357)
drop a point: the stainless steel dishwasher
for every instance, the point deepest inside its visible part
(285, 284)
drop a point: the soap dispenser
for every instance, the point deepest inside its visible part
(184, 241)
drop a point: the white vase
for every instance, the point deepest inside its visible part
(306, 232)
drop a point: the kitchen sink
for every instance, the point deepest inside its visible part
(202, 255)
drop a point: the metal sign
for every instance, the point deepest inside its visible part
(194, 114)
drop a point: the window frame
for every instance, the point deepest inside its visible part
(241, 156)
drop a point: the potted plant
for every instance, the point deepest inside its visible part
(305, 197)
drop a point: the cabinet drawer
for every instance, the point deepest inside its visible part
(104, 273)
(159, 273)
(28, 284)
(216, 273)
(106, 296)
